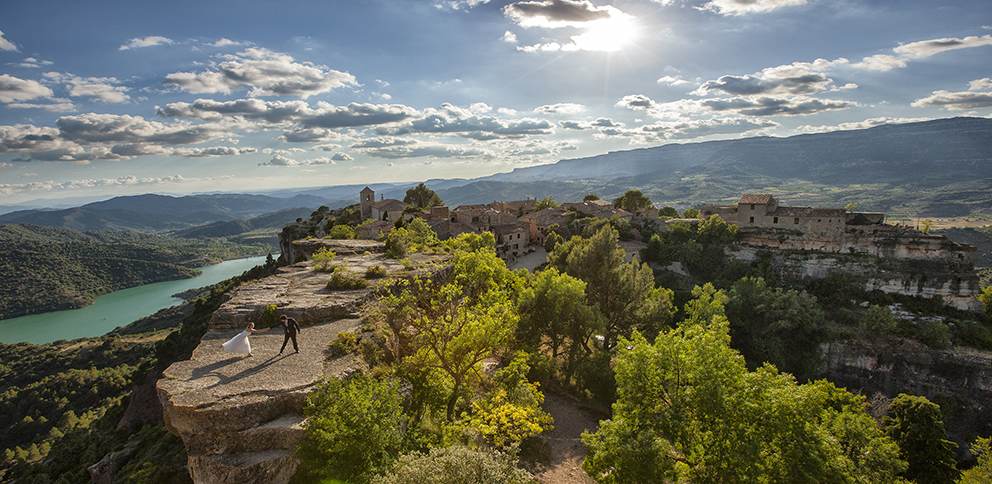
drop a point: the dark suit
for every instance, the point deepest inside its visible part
(291, 327)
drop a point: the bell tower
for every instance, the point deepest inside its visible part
(367, 197)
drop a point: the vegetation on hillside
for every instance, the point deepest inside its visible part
(63, 401)
(48, 269)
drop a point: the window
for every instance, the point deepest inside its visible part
(752, 206)
(775, 220)
(751, 220)
(796, 221)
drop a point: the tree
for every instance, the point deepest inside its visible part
(343, 232)
(917, 426)
(668, 212)
(851, 206)
(688, 410)
(353, 429)
(986, 298)
(982, 472)
(623, 292)
(422, 197)
(878, 322)
(553, 239)
(554, 313)
(632, 201)
(927, 225)
(690, 213)
(590, 197)
(546, 202)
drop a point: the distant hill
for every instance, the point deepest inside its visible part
(50, 268)
(271, 223)
(932, 168)
(159, 213)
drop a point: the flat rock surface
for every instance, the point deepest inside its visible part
(214, 375)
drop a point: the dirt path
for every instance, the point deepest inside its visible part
(566, 447)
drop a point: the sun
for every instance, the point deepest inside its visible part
(607, 35)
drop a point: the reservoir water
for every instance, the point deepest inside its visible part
(118, 308)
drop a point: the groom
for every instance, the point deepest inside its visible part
(291, 327)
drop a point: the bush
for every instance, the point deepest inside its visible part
(341, 281)
(322, 260)
(353, 429)
(456, 465)
(343, 232)
(973, 334)
(878, 322)
(345, 343)
(375, 272)
(397, 243)
(935, 334)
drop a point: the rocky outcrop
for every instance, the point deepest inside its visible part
(890, 259)
(960, 383)
(239, 416)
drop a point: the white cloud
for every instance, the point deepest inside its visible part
(102, 88)
(300, 113)
(450, 119)
(32, 63)
(326, 147)
(962, 100)
(706, 127)
(146, 42)
(459, 4)
(223, 42)
(397, 148)
(742, 7)
(558, 13)
(15, 89)
(342, 157)
(266, 73)
(790, 79)
(771, 106)
(280, 160)
(6, 44)
(124, 181)
(509, 37)
(560, 108)
(673, 81)
(58, 107)
(868, 123)
(980, 85)
(880, 62)
(927, 48)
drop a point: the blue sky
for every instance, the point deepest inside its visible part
(108, 98)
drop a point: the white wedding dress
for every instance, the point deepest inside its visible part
(239, 344)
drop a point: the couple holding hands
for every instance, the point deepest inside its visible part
(240, 344)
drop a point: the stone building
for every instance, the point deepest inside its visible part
(386, 209)
(765, 211)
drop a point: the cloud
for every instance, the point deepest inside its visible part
(59, 107)
(326, 147)
(597, 123)
(769, 106)
(560, 108)
(636, 102)
(15, 89)
(101, 88)
(450, 119)
(32, 63)
(789, 79)
(342, 157)
(324, 115)
(211, 152)
(673, 81)
(927, 48)
(25, 137)
(124, 181)
(265, 73)
(509, 37)
(309, 135)
(707, 127)
(459, 4)
(557, 13)
(223, 42)
(146, 42)
(880, 62)
(280, 160)
(868, 123)
(6, 45)
(742, 7)
(976, 97)
(96, 128)
(397, 148)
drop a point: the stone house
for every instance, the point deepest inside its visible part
(765, 211)
(386, 209)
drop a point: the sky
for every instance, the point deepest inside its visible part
(107, 98)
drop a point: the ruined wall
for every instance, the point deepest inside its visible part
(890, 259)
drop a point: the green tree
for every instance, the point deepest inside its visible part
(422, 197)
(688, 410)
(353, 429)
(553, 239)
(668, 212)
(917, 426)
(982, 472)
(632, 201)
(878, 322)
(851, 206)
(986, 298)
(690, 213)
(546, 202)
(554, 313)
(927, 225)
(623, 292)
(343, 232)
(398, 243)
(590, 197)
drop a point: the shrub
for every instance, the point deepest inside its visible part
(878, 322)
(375, 272)
(353, 429)
(343, 232)
(935, 334)
(342, 281)
(397, 243)
(456, 465)
(322, 260)
(345, 343)
(973, 334)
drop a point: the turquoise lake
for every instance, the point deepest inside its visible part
(117, 308)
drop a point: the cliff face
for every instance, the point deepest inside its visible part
(960, 384)
(240, 417)
(890, 259)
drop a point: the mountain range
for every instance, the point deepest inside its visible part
(939, 168)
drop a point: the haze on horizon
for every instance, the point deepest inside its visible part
(116, 98)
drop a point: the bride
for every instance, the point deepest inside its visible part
(239, 344)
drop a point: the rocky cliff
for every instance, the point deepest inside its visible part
(240, 416)
(891, 259)
(960, 383)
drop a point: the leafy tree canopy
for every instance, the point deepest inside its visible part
(590, 197)
(668, 212)
(422, 197)
(632, 201)
(546, 202)
(917, 425)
